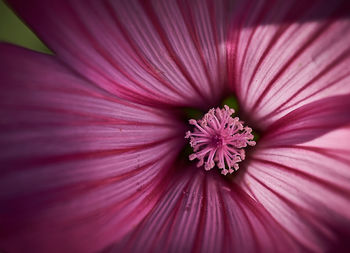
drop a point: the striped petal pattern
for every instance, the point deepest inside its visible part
(305, 187)
(90, 137)
(75, 160)
(200, 212)
(285, 55)
(140, 54)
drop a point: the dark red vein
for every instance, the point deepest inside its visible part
(198, 240)
(305, 175)
(258, 20)
(325, 71)
(192, 31)
(101, 50)
(312, 39)
(149, 11)
(78, 156)
(282, 28)
(147, 66)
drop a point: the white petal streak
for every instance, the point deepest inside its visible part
(289, 54)
(150, 52)
(305, 188)
(74, 159)
(200, 212)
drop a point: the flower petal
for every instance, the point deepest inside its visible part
(160, 51)
(79, 168)
(201, 212)
(284, 55)
(306, 189)
(309, 121)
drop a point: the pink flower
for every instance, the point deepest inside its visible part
(92, 137)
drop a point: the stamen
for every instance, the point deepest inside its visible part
(219, 139)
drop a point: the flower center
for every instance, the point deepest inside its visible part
(219, 139)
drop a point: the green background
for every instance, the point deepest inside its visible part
(14, 31)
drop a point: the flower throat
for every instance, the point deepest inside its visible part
(219, 139)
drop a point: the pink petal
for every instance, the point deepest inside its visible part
(200, 212)
(306, 189)
(286, 54)
(79, 168)
(309, 121)
(150, 52)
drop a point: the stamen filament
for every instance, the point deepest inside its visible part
(218, 139)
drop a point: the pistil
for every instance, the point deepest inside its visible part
(219, 139)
